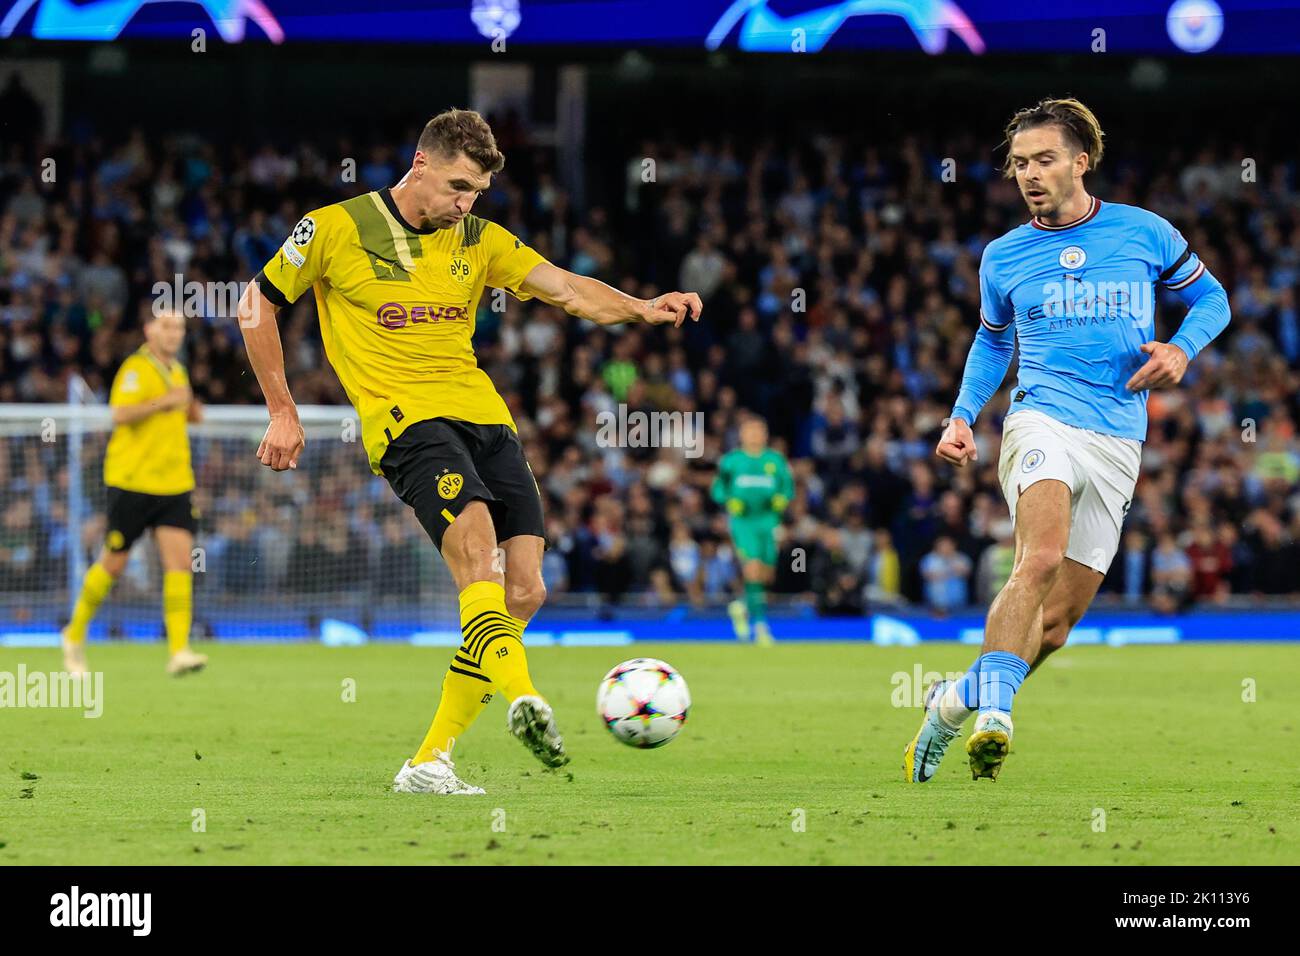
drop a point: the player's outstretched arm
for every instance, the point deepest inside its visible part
(597, 302)
(284, 439)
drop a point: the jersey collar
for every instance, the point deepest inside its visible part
(386, 195)
(1090, 214)
(164, 368)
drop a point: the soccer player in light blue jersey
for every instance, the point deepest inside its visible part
(1075, 287)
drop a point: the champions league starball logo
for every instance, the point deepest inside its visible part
(106, 19)
(763, 30)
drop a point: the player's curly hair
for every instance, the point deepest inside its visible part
(462, 131)
(1077, 123)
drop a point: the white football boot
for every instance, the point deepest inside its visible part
(185, 661)
(921, 757)
(435, 776)
(74, 656)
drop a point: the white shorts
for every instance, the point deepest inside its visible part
(1100, 471)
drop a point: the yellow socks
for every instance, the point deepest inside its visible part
(465, 692)
(494, 641)
(178, 608)
(94, 589)
(177, 602)
(491, 656)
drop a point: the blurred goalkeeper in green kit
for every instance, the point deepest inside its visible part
(754, 484)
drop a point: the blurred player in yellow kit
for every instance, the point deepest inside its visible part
(149, 478)
(397, 276)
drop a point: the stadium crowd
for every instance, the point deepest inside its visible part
(841, 292)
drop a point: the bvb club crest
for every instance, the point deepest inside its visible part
(449, 485)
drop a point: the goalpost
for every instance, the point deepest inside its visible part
(325, 551)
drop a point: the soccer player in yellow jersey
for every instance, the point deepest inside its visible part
(397, 276)
(149, 478)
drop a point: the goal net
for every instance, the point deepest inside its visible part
(325, 551)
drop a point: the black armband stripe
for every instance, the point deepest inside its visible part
(990, 326)
(269, 289)
(1172, 270)
(1183, 284)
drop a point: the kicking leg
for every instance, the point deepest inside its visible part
(529, 718)
(1011, 634)
(492, 621)
(949, 703)
(492, 637)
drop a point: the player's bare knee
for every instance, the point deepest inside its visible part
(477, 560)
(1056, 628)
(1039, 566)
(470, 546)
(524, 599)
(1058, 621)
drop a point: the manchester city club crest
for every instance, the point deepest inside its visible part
(1072, 257)
(1032, 460)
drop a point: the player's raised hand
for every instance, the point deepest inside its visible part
(283, 443)
(957, 444)
(674, 307)
(1163, 369)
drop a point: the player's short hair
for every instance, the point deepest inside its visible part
(148, 315)
(1077, 124)
(462, 131)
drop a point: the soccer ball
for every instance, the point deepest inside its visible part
(643, 702)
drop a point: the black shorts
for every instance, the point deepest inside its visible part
(131, 513)
(439, 466)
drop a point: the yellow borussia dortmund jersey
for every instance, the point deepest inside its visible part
(397, 308)
(152, 455)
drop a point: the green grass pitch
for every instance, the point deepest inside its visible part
(790, 755)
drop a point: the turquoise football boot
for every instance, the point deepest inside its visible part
(921, 757)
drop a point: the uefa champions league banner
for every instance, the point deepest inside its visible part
(343, 626)
(969, 27)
